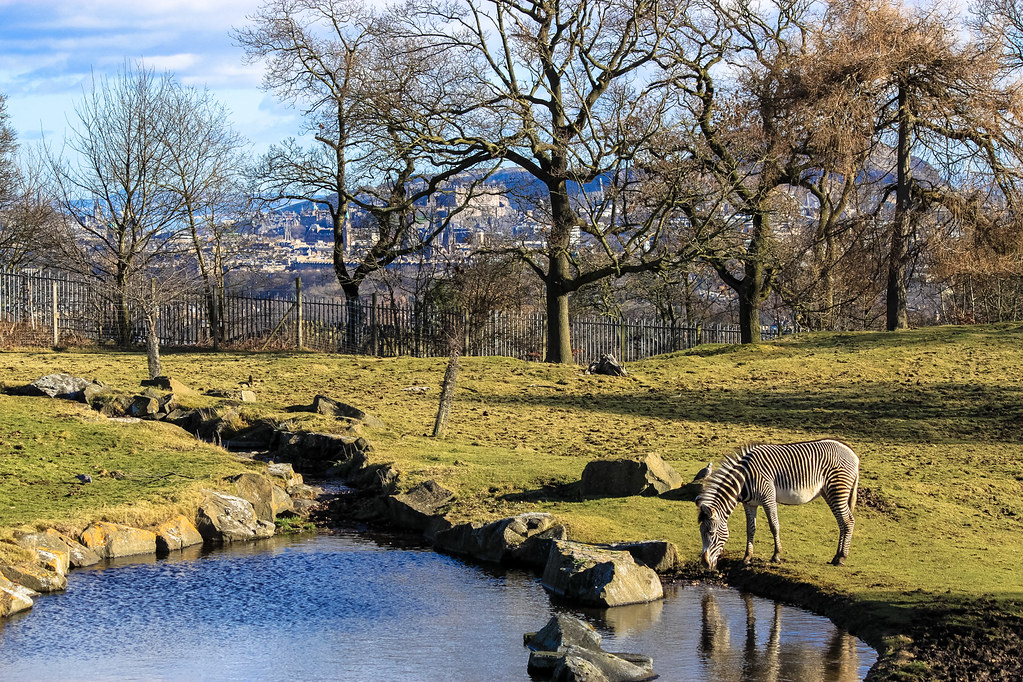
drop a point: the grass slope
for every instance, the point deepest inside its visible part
(934, 415)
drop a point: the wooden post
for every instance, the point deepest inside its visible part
(298, 312)
(373, 332)
(621, 338)
(54, 314)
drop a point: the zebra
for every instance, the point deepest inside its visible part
(764, 475)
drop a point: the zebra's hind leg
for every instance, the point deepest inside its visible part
(846, 522)
(751, 530)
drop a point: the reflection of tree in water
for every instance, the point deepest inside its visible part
(774, 659)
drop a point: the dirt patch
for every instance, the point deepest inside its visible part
(876, 500)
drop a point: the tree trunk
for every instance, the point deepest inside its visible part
(896, 303)
(557, 281)
(152, 347)
(447, 393)
(354, 313)
(749, 308)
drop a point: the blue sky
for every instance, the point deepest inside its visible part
(49, 50)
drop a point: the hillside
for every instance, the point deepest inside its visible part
(934, 415)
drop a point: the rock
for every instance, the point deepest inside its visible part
(286, 471)
(304, 492)
(143, 406)
(576, 669)
(586, 665)
(35, 577)
(592, 576)
(417, 508)
(607, 364)
(650, 475)
(54, 560)
(110, 540)
(50, 549)
(268, 499)
(328, 406)
(227, 518)
(562, 631)
(247, 396)
(55, 386)
(497, 541)
(321, 453)
(117, 406)
(660, 555)
(305, 508)
(14, 598)
(166, 383)
(78, 554)
(93, 391)
(176, 533)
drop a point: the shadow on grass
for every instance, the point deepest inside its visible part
(856, 411)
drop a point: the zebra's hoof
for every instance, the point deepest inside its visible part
(776, 559)
(838, 561)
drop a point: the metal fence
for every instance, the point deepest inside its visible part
(57, 310)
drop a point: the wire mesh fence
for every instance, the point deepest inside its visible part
(52, 309)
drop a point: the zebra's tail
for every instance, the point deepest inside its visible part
(853, 492)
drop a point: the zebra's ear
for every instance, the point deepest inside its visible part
(706, 512)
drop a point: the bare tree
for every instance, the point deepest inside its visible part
(369, 106)
(564, 92)
(26, 215)
(111, 184)
(205, 169)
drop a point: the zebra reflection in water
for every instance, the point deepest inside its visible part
(770, 659)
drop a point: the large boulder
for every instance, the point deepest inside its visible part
(593, 576)
(78, 554)
(649, 475)
(227, 518)
(176, 533)
(500, 541)
(321, 453)
(55, 386)
(268, 499)
(35, 577)
(419, 508)
(110, 540)
(660, 555)
(14, 598)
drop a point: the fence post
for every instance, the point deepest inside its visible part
(298, 312)
(373, 332)
(621, 339)
(465, 332)
(54, 314)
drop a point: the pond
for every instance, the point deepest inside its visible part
(344, 606)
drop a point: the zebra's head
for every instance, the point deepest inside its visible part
(714, 533)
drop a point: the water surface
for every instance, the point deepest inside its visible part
(342, 606)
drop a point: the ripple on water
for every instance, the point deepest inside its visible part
(344, 607)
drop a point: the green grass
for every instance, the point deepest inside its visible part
(934, 415)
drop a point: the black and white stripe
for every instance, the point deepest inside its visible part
(768, 475)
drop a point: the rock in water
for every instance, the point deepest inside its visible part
(226, 518)
(592, 576)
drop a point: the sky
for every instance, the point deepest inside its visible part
(50, 49)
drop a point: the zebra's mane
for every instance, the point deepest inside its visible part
(723, 472)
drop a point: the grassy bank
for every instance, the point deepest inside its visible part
(934, 415)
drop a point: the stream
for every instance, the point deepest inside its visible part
(344, 606)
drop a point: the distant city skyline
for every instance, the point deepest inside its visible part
(50, 50)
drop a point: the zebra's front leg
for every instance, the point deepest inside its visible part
(751, 530)
(771, 509)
